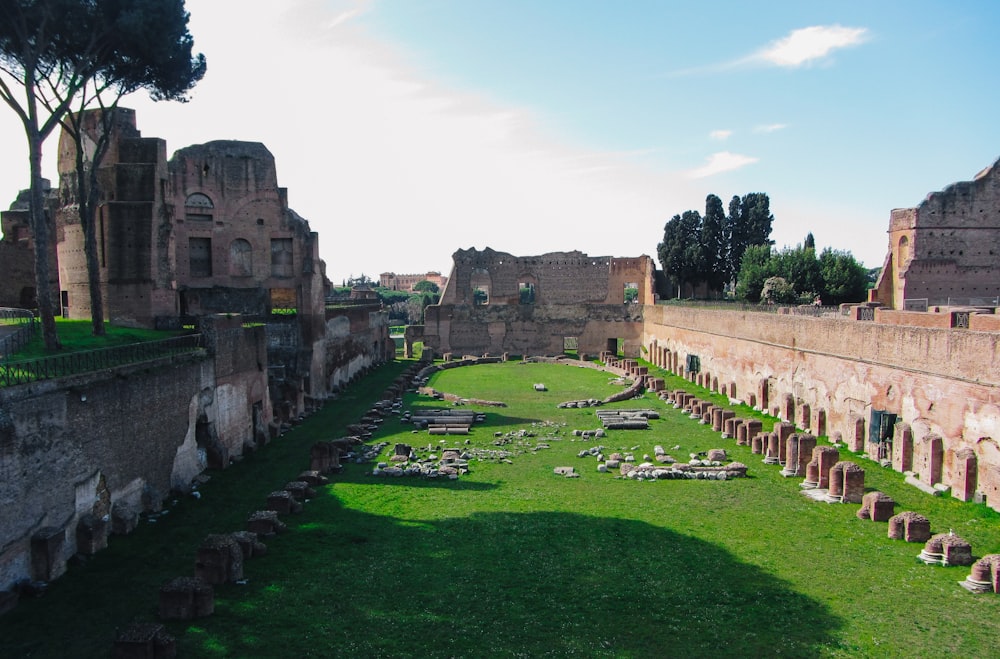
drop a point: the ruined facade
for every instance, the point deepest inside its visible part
(534, 305)
(82, 456)
(946, 250)
(208, 231)
(396, 282)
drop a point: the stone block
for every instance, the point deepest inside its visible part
(902, 448)
(265, 523)
(186, 598)
(144, 640)
(964, 471)
(877, 506)
(47, 562)
(283, 503)
(909, 526)
(124, 518)
(91, 535)
(300, 490)
(249, 544)
(219, 560)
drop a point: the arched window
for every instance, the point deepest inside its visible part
(198, 208)
(903, 253)
(240, 258)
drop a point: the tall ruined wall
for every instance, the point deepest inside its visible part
(556, 277)
(529, 305)
(941, 382)
(356, 339)
(947, 246)
(112, 441)
(532, 329)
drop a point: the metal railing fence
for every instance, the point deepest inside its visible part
(75, 363)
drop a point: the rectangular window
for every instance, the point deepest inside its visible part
(281, 258)
(200, 257)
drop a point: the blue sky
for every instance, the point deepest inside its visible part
(407, 129)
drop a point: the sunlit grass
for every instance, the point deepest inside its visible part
(511, 560)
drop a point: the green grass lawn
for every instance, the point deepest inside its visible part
(511, 560)
(77, 335)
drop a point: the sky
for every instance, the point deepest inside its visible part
(405, 130)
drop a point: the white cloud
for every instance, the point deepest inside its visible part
(723, 161)
(720, 135)
(806, 45)
(769, 128)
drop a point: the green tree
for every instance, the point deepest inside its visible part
(680, 251)
(52, 50)
(152, 51)
(425, 286)
(800, 268)
(749, 223)
(755, 268)
(777, 290)
(714, 248)
(844, 279)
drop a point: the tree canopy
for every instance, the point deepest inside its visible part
(708, 250)
(60, 51)
(832, 278)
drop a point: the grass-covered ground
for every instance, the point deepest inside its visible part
(77, 335)
(511, 560)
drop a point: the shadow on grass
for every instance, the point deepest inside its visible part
(504, 584)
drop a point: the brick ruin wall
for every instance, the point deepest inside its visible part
(83, 444)
(946, 247)
(940, 382)
(573, 296)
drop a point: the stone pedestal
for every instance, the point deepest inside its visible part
(91, 535)
(220, 560)
(909, 526)
(265, 523)
(47, 562)
(876, 506)
(186, 598)
(143, 640)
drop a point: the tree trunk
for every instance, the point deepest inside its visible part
(41, 236)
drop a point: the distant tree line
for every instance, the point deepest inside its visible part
(705, 252)
(717, 253)
(402, 307)
(796, 275)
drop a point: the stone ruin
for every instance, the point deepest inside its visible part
(946, 549)
(876, 506)
(984, 576)
(909, 526)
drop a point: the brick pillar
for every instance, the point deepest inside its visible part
(724, 418)
(855, 433)
(791, 456)
(826, 457)
(812, 474)
(854, 483)
(732, 390)
(787, 408)
(762, 395)
(963, 467)
(806, 444)
(715, 383)
(928, 456)
(805, 416)
(756, 443)
(819, 422)
(771, 457)
(47, 562)
(717, 419)
(902, 447)
(835, 481)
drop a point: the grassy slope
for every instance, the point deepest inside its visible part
(512, 560)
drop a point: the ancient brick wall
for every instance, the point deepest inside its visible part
(530, 305)
(139, 432)
(938, 381)
(946, 247)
